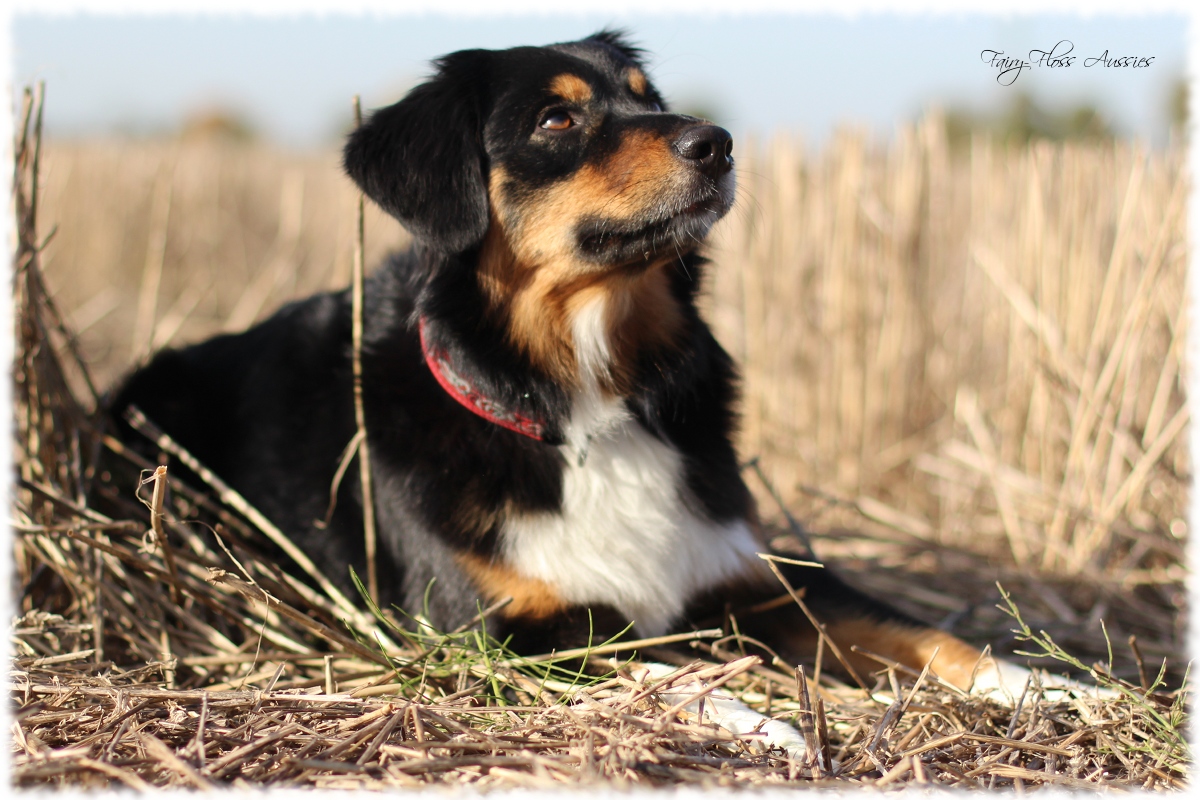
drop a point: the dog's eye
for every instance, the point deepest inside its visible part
(655, 107)
(556, 121)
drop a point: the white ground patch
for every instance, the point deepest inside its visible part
(733, 715)
(627, 535)
(1004, 682)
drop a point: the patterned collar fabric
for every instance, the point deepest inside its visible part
(471, 397)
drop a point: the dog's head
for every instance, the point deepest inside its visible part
(558, 172)
(567, 147)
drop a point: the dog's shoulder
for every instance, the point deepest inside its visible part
(246, 391)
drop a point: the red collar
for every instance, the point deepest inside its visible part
(469, 396)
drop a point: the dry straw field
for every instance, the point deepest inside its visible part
(962, 368)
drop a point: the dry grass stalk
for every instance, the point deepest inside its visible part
(360, 416)
(221, 669)
(159, 481)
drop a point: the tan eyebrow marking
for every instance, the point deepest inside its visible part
(571, 88)
(637, 81)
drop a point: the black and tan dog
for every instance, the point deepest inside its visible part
(549, 418)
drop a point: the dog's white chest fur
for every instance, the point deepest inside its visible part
(627, 536)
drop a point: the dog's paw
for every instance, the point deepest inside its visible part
(1005, 682)
(758, 731)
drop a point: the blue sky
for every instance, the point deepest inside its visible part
(293, 76)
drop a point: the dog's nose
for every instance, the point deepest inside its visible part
(708, 147)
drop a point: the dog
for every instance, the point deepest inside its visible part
(549, 418)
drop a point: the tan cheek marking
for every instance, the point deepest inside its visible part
(637, 81)
(623, 187)
(528, 265)
(531, 598)
(519, 286)
(571, 88)
(639, 171)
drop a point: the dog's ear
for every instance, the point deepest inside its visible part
(421, 159)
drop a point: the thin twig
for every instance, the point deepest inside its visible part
(833, 647)
(360, 414)
(159, 479)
